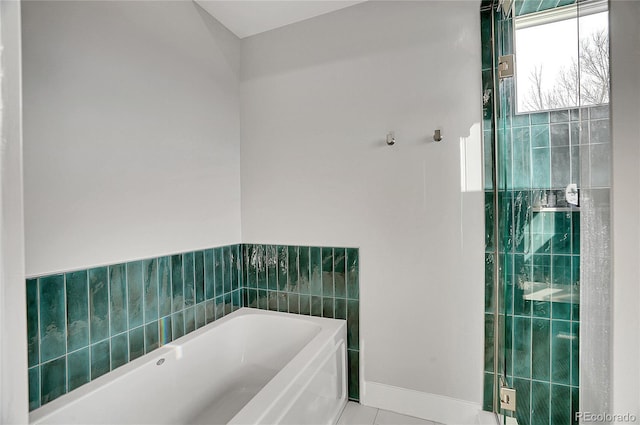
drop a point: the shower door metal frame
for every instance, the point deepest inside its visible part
(498, 376)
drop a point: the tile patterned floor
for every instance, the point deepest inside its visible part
(357, 414)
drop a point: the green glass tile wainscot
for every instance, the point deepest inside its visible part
(316, 281)
(117, 313)
(85, 323)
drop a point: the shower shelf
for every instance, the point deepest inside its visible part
(555, 209)
(542, 291)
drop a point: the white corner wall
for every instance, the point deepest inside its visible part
(131, 132)
(318, 98)
(14, 400)
(625, 106)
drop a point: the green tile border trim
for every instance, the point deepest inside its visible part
(83, 324)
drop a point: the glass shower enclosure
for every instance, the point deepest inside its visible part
(547, 182)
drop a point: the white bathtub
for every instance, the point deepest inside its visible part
(250, 367)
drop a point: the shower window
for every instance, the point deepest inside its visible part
(550, 72)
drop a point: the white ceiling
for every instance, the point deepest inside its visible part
(249, 17)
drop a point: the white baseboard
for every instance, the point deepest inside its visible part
(488, 418)
(427, 406)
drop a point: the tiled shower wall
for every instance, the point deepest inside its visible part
(540, 337)
(85, 323)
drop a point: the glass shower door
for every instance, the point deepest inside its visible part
(546, 202)
(500, 213)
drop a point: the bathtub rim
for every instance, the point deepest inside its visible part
(325, 342)
(328, 326)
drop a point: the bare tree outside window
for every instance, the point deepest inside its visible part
(562, 59)
(584, 81)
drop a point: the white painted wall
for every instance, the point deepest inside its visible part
(625, 102)
(318, 98)
(131, 132)
(14, 398)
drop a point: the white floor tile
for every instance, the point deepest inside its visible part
(390, 418)
(357, 414)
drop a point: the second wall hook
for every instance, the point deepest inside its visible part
(391, 138)
(437, 136)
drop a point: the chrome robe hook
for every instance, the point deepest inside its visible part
(437, 136)
(391, 138)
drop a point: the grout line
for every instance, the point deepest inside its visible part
(39, 343)
(143, 293)
(223, 273)
(144, 309)
(126, 303)
(214, 291)
(530, 370)
(266, 265)
(66, 327)
(109, 311)
(170, 278)
(88, 292)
